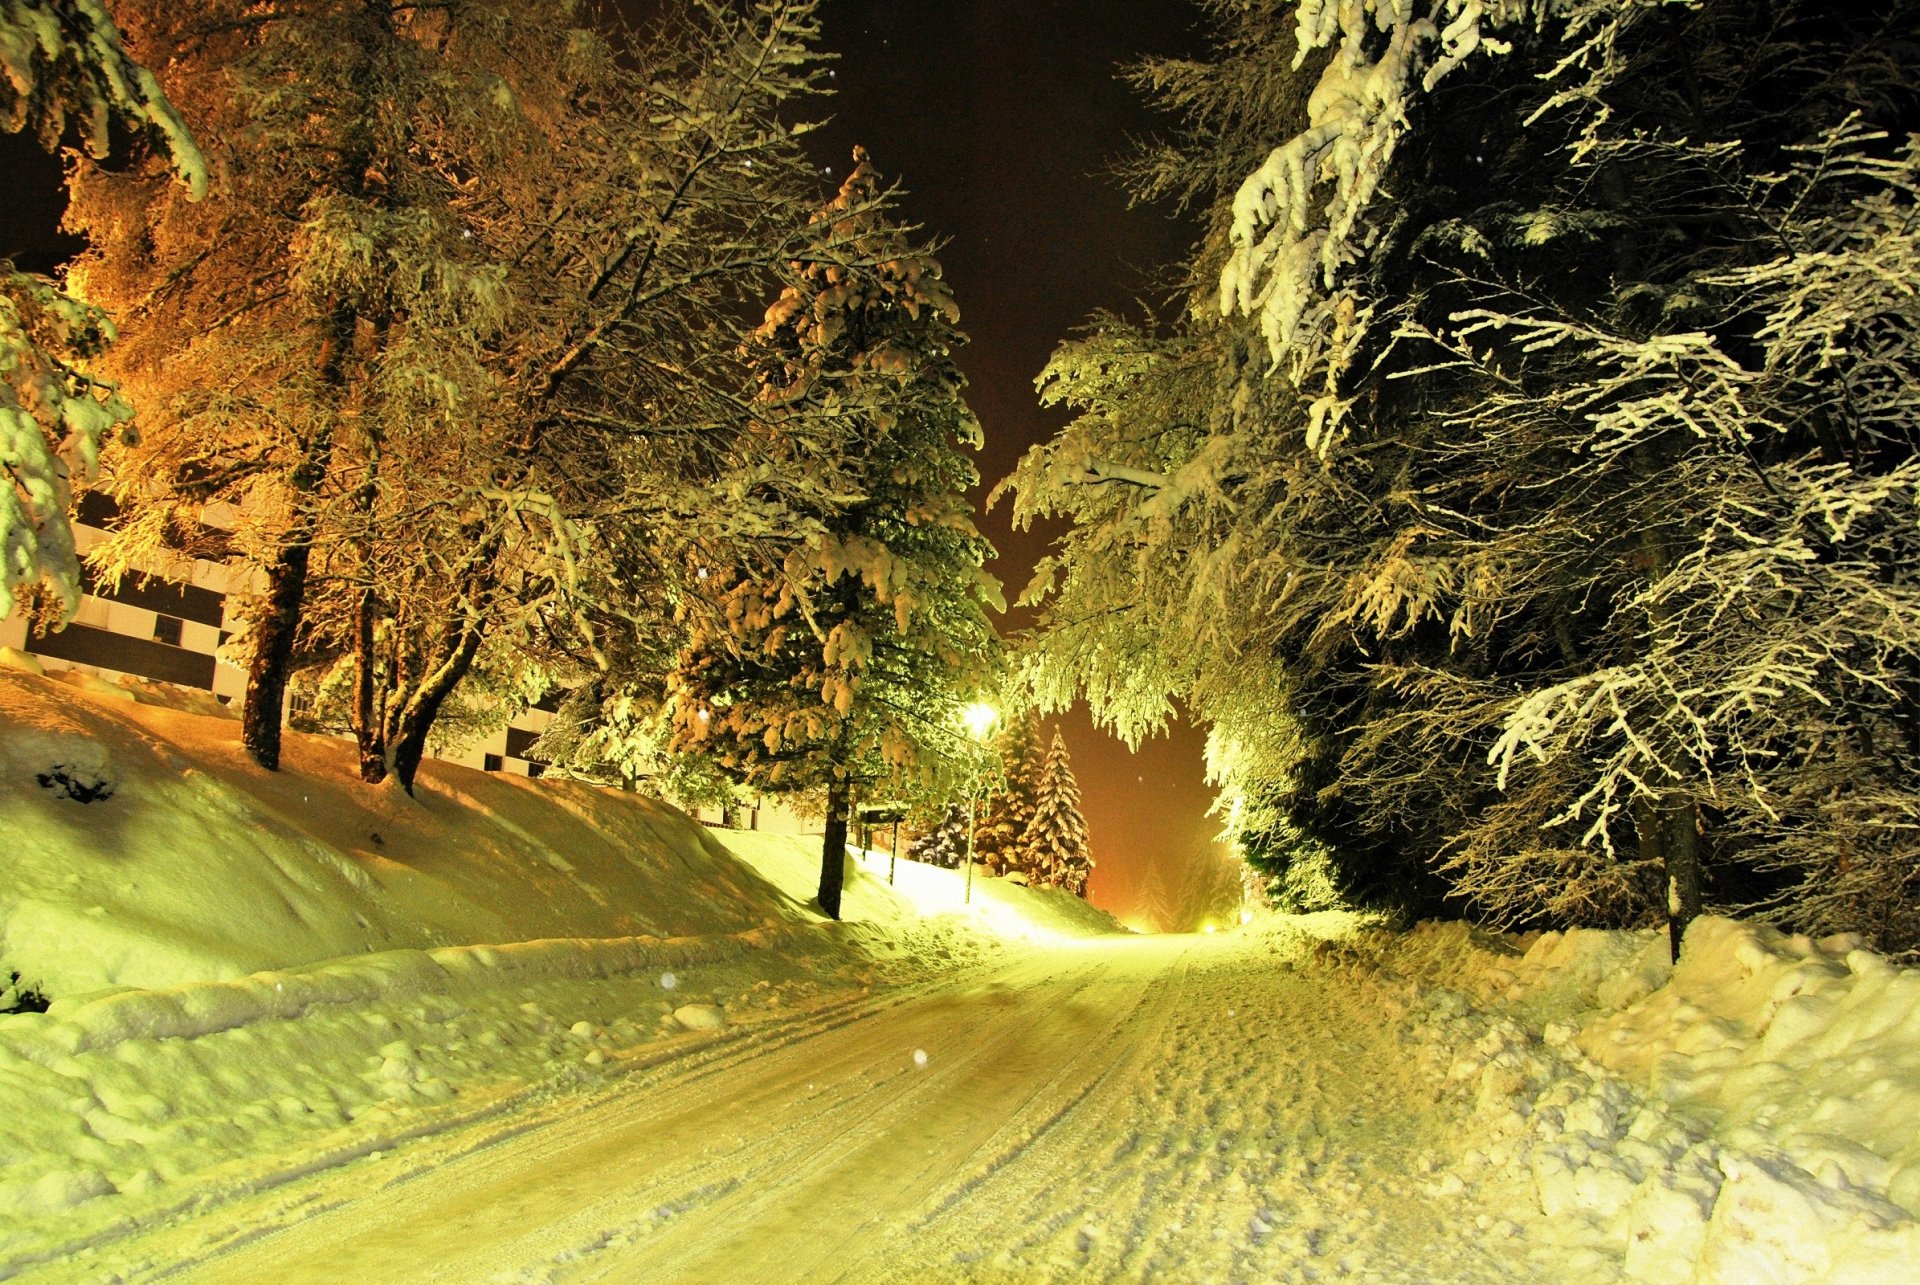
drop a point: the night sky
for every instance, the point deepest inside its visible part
(1002, 119)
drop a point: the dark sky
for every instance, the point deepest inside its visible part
(1002, 119)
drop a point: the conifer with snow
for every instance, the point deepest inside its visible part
(1056, 844)
(847, 661)
(1002, 829)
(1519, 510)
(945, 845)
(427, 493)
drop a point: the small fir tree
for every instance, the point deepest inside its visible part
(1005, 821)
(1056, 839)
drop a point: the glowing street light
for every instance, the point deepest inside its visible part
(979, 718)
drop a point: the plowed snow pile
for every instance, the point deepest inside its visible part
(1749, 1116)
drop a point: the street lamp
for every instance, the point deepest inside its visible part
(979, 718)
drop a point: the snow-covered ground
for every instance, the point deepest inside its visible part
(518, 1030)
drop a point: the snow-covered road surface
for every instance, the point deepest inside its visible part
(1180, 1108)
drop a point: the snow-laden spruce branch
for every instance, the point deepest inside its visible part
(1306, 216)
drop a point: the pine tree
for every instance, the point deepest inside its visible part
(1002, 829)
(945, 845)
(425, 492)
(316, 339)
(1059, 852)
(848, 662)
(1151, 904)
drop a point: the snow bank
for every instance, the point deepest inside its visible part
(145, 850)
(254, 975)
(1746, 1116)
(1006, 908)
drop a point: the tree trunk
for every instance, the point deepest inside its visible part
(1681, 823)
(409, 745)
(833, 848)
(287, 574)
(1670, 836)
(1669, 824)
(273, 652)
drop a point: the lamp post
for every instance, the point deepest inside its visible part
(979, 719)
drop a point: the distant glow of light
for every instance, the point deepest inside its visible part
(979, 717)
(1209, 928)
(1246, 916)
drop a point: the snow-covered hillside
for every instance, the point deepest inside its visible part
(290, 1013)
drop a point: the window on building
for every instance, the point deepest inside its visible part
(490, 763)
(166, 629)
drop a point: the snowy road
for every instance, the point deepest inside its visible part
(1182, 1108)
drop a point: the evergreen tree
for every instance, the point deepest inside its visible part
(848, 662)
(315, 338)
(1059, 853)
(945, 845)
(1002, 830)
(1529, 531)
(1151, 904)
(425, 491)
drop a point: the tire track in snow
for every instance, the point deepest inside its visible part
(678, 1148)
(251, 1200)
(915, 1138)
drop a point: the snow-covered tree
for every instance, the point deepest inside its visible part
(1531, 525)
(426, 491)
(1151, 903)
(667, 201)
(321, 329)
(1003, 824)
(848, 662)
(1058, 849)
(945, 844)
(63, 64)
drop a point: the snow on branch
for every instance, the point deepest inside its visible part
(61, 62)
(1303, 217)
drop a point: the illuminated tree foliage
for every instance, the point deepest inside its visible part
(945, 845)
(1529, 492)
(458, 358)
(62, 63)
(317, 334)
(847, 662)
